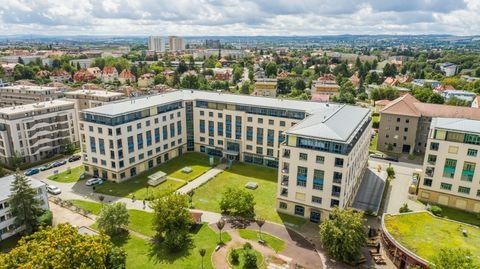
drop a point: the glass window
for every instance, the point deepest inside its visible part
(302, 176)
(338, 162)
(303, 156)
(320, 159)
(432, 159)
(463, 190)
(299, 210)
(472, 152)
(434, 146)
(445, 186)
(283, 205)
(449, 168)
(427, 182)
(316, 199)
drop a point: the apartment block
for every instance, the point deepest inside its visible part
(265, 87)
(92, 98)
(123, 139)
(22, 95)
(405, 123)
(157, 44)
(450, 174)
(176, 43)
(37, 131)
(7, 220)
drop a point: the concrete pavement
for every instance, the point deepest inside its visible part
(199, 181)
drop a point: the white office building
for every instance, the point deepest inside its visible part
(157, 44)
(176, 43)
(7, 220)
(123, 139)
(37, 131)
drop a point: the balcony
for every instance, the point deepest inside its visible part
(430, 171)
(285, 170)
(284, 192)
(335, 194)
(285, 181)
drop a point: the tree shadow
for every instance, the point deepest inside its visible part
(121, 238)
(160, 253)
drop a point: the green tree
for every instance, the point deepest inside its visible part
(16, 159)
(343, 234)
(238, 202)
(246, 87)
(172, 220)
(113, 218)
(24, 204)
(271, 69)
(454, 258)
(69, 147)
(250, 259)
(63, 247)
(390, 172)
(435, 98)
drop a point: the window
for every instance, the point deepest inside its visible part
(282, 205)
(93, 146)
(282, 123)
(445, 186)
(432, 159)
(316, 199)
(149, 138)
(220, 115)
(405, 129)
(299, 210)
(165, 132)
(260, 120)
(397, 128)
(434, 146)
(338, 162)
(407, 120)
(270, 137)
(202, 113)
(157, 135)
(130, 144)
(249, 133)
(302, 176)
(259, 151)
(249, 119)
(211, 128)
(172, 129)
(147, 123)
(463, 190)
(110, 132)
(468, 171)
(337, 177)
(303, 156)
(139, 125)
(320, 159)
(220, 128)
(259, 136)
(141, 156)
(249, 147)
(202, 126)
(453, 149)
(427, 182)
(472, 152)
(449, 168)
(270, 122)
(270, 152)
(129, 128)
(90, 128)
(336, 191)
(398, 119)
(334, 203)
(140, 141)
(210, 114)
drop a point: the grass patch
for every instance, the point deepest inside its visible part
(8, 244)
(140, 221)
(142, 254)
(241, 259)
(208, 196)
(425, 235)
(68, 177)
(137, 185)
(274, 242)
(373, 143)
(460, 215)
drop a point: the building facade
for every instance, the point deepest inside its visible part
(123, 139)
(36, 131)
(176, 43)
(7, 220)
(265, 87)
(405, 123)
(451, 177)
(92, 98)
(22, 95)
(157, 44)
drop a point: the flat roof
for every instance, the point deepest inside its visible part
(462, 125)
(6, 184)
(28, 88)
(34, 107)
(102, 93)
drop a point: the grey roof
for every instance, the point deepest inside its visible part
(370, 192)
(335, 123)
(141, 103)
(6, 183)
(463, 125)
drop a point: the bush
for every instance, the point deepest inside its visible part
(436, 210)
(404, 209)
(46, 218)
(234, 256)
(250, 259)
(247, 246)
(390, 172)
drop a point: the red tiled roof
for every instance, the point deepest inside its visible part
(126, 74)
(107, 70)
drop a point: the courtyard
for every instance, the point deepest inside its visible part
(176, 178)
(208, 196)
(424, 234)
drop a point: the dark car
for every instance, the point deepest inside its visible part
(74, 158)
(59, 163)
(32, 172)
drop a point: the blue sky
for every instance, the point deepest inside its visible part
(239, 17)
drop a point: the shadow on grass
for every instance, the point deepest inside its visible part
(121, 239)
(160, 253)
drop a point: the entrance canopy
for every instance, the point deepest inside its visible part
(370, 192)
(229, 152)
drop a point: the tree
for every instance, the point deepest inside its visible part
(63, 247)
(69, 147)
(343, 234)
(404, 208)
(454, 258)
(24, 203)
(250, 259)
(271, 69)
(238, 202)
(20, 61)
(260, 222)
(202, 252)
(113, 218)
(435, 98)
(172, 220)
(390, 172)
(220, 225)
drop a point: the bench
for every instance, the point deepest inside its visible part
(262, 242)
(217, 248)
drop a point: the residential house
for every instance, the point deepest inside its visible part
(146, 80)
(126, 77)
(265, 87)
(60, 75)
(109, 74)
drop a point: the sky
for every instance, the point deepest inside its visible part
(239, 17)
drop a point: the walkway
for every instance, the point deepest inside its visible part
(199, 181)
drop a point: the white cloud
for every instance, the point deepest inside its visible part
(237, 17)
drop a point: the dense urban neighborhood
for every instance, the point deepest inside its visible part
(276, 152)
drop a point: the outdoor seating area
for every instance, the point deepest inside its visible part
(374, 247)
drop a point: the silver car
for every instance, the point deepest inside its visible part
(53, 189)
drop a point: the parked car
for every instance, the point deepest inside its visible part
(59, 163)
(74, 158)
(94, 181)
(46, 167)
(53, 189)
(32, 172)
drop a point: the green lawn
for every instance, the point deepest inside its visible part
(68, 177)
(460, 215)
(425, 235)
(208, 196)
(140, 221)
(373, 143)
(274, 242)
(240, 264)
(137, 185)
(143, 255)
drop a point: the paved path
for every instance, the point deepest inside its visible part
(202, 179)
(64, 215)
